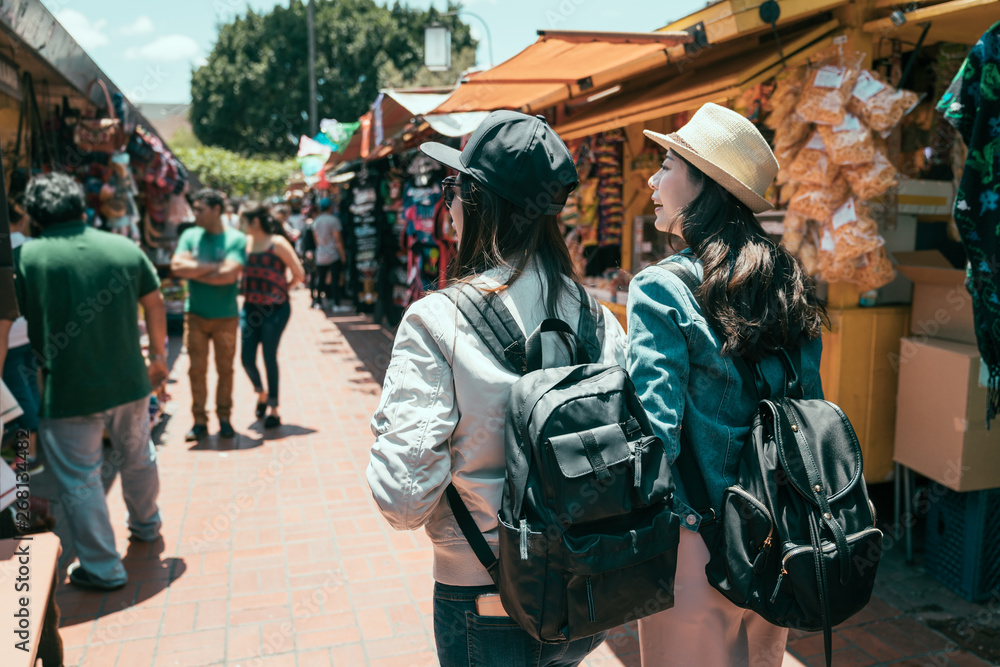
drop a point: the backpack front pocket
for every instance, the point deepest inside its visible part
(749, 535)
(615, 578)
(599, 474)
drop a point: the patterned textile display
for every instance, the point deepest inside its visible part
(972, 106)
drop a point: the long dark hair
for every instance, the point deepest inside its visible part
(497, 233)
(754, 293)
(254, 210)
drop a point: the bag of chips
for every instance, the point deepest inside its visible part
(874, 270)
(795, 229)
(813, 164)
(877, 104)
(818, 202)
(824, 94)
(871, 179)
(809, 256)
(787, 192)
(785, 97)
(848, 143)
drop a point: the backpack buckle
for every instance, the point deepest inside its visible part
(705, 519)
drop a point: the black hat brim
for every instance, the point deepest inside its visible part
(446, 155)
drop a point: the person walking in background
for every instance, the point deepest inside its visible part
(754, 300)
(80, 289)
(329, 254)
(211, 257)
(266, 309)
(309, 263)
(20, 369)
(230, 218)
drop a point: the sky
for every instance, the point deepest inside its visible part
(148, 48)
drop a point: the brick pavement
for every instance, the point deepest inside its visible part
(274, 554)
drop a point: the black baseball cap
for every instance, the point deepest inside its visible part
(517, 157)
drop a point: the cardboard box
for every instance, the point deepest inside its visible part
(942, 307)
(925, 197)
(941, 416)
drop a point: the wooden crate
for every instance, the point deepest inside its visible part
(860, 373)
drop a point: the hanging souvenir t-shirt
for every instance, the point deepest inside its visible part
(972, 106)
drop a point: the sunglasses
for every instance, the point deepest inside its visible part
(449, 185)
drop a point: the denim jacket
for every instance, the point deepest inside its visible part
(684, 382)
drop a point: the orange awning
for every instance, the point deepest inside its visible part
(715, 82)
(958, 21)
(560, 65)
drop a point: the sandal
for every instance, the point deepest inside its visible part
(272, 421)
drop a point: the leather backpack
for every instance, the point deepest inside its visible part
(795, 538)
(588, 536)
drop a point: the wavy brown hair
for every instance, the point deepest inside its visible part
(497, 233)
(755, 293)
(255, 210)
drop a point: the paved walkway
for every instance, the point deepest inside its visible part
(274, 554)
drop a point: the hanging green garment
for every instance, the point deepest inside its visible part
(972, 106)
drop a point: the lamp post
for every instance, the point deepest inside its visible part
(311, 35)
(437, 40)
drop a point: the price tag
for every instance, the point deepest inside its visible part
(830, 77)
(816, 142)
(867, 87)
(851, 122)
(844, 214)
(826, 243)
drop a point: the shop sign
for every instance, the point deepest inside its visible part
(10, 81)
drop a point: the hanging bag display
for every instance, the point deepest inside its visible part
(100, 135)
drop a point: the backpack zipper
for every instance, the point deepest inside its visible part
(740, 491)
(523, 530)
(827, 548)
(636, 462)
(591, 607)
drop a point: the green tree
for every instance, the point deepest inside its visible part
(252, 95)
(235, 174)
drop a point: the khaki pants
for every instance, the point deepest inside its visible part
(704, 628)
(222, 333)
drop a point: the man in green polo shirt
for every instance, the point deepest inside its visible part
(211, 257)
(80, 290)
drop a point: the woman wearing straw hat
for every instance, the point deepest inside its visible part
(441, 416)
(752, 299)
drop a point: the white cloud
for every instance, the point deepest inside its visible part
(88, 35)
(169, 48)
(142, 25)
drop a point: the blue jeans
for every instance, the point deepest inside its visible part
(20, 374)
(263, 325)
(466, 639)
(74, 452)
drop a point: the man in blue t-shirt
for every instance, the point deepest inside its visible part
(211, 256)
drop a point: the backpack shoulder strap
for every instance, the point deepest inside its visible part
(493, 323)
(471, 531)
(590, 327)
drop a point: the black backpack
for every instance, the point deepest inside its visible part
(588, 536)
(795, 539)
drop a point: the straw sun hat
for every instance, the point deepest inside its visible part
(729, 150)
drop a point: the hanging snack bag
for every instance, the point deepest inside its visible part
(848, 143)
(874, 270)
(785, 97)
(795, 228)
(809, 256)
(855, 232)
(827, 89)
(813, 164)
(877, 104)
(818, 202)
(871, 179)
(788, 191)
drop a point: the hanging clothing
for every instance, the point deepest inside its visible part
(972, 105)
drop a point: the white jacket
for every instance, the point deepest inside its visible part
(441, 418)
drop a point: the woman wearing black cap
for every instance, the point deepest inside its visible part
(441, 416)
